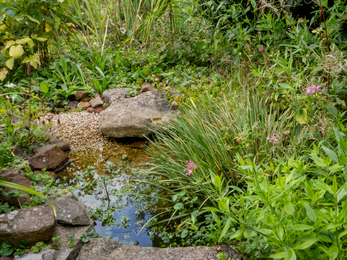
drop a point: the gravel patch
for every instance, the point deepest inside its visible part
(79, 129)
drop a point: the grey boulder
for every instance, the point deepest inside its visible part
(70, 211)
(106, 249)
(137, 116)
(65, 252)
(113, 95)
(30, 224)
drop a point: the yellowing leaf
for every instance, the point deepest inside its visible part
(301, 116)
(23, 40)
(10, 63)
(41, 39)
(6, 53)
(16, 51)
(3, 73)
(2, 27)
(34, 60)
(33, 19)
(9, 44)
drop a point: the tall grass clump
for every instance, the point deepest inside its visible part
(213, 133)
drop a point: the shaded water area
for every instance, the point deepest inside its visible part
(111, 192)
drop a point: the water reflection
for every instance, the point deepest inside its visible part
(116, 164)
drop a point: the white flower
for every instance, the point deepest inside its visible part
(61, 1)
(11, 85)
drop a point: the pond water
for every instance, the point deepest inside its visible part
(131, 210)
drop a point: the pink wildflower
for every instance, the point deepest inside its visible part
(286, 132)
(261, 48)
(239, 139)
(190, 167)
(273, 139)
(313, 89)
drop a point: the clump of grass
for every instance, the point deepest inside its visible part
(213, 132)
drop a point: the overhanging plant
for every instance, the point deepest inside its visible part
(26, 189)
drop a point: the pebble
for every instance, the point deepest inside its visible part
(79, 129)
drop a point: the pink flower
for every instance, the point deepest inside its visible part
(286, 132)
(190, 167)
(239, 139)
(273, 139)
(261, 48)
(313, 89)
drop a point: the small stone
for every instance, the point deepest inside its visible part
(95, 102)
(44, 254)
(60, 143)
(48, 157)
(139, 144)
(83, 105)
(147, 88)
(73, 105)
(82, 95)
(96, 110)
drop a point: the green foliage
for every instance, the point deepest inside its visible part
(25, 32)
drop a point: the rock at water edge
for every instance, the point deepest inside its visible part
(30, 224)
(136, 117)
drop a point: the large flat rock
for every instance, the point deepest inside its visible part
(70, 211)
(65, 252)
(30, 224)
(112, 95)
(106, 249)
(137, 116)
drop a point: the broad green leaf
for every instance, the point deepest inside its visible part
(332, 226)
(184, 233)
(179, 206)
(44, 87)
(278, 255)
(1, 17)
(307, 243)
(342, 234)
(289, 253)
(321, 185)
(318, 161)
(310, 212)
(225, 230)
(11, 13)
(331, 154)
(3, 73)
(249, 233)
(332, 110)
(301, 116)
(16, 51)
(301, 227)
(238, 233)
(333, 251)
(10, 63)
(289, 208)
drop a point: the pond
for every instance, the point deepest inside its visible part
(117, 194)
